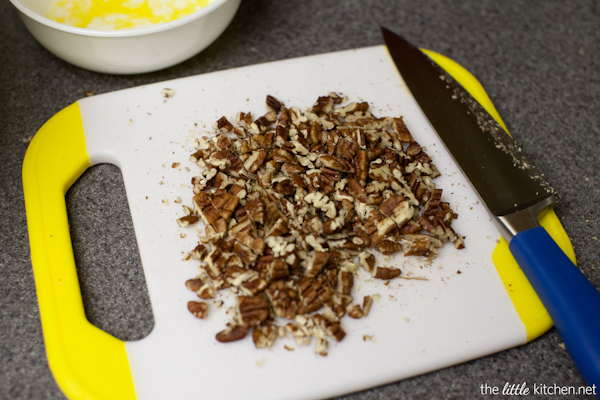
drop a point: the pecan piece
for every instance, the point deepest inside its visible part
(278, 269)
(283, 156)
(285, 187)
(202, 286)
(367, 261)
(223, 124)
(256, 210)
(252, 310)
(346, 148)
(264, 336)
(232, 333)
(388, 247)
(283, 299)
(422, 245)
(331, 326)
(337, 163)
(226, 204)
(345, 281)
(290, 168)
(255, 161)
(273, 104)
(413, 149)
(314, 294)
(279, 228)
(402, 131)
(362, 167)
(187, 220)
(354, 311)
(199, 309)
(254, 286)
(386, 273)
(316, 263)
(367, 304)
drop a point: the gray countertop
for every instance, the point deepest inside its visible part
(538, 60)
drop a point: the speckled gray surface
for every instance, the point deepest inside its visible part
(538, 60)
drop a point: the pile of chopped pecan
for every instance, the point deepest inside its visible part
(294, 204)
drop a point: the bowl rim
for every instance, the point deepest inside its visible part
(118, 33)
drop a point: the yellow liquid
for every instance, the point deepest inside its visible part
(120, 14)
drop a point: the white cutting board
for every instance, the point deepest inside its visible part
(417, 325)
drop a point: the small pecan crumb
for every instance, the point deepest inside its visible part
(168, 93)
(367, 303)
(368, 338)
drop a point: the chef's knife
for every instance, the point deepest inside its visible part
(514, 192)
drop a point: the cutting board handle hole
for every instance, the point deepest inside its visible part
(109, 268)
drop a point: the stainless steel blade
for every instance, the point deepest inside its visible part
(490, 158)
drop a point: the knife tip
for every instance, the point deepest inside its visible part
(390, 36)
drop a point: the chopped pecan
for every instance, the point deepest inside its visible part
(290, 168)
(232, 333)
(198, 308)
(188, 220)
(331, 326)
(388, 247)
(282, 298)
(254, 286)
(244, 252)
(354, 311)
(346, 148)
(274, 104)
(314, 294)
(223, 125)
(422, 245)
(285, 187)
(367, 261)
(283, 156)
(193, 284)
(279, 228)
(256, 210)
(362, 166)
(226, 204)
(413, 149)
(278, 269)
(337, 163)
(367, 304)
(202, 286)
(386, 273)
(264, 336)
(199, 252)
(402, 131)
(316, 263)
(255, 161)
(252, 310)
(345, 281)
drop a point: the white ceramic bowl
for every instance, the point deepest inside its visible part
(129, 51)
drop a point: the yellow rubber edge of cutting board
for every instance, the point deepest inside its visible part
(86, 362)
(528, 305)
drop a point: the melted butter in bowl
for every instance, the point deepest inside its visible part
(120, 14)
(98, 35)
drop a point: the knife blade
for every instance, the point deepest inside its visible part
(513, 191)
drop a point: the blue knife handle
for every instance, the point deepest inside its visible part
(571, 300)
